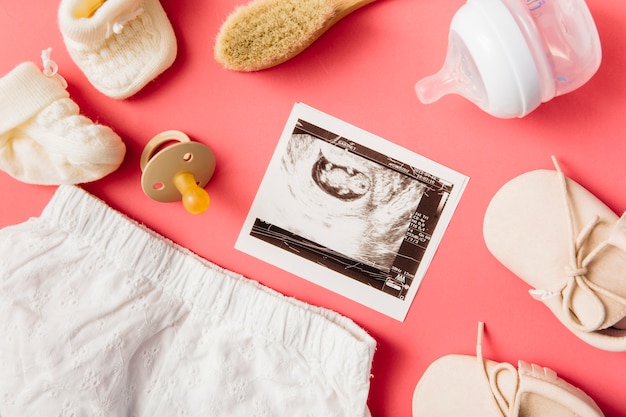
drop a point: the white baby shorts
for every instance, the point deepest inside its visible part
(100, 316)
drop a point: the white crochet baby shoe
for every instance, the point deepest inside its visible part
(468, 386)
(569, 247)
(121, 45)
(43, 139)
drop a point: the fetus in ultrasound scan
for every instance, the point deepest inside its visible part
(342, 201)
(342, 182)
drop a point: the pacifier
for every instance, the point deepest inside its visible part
(509, 56)
(177, 172)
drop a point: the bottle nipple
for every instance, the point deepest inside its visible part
(458, 75)
(432, 88)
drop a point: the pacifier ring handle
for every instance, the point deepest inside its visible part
(153, 146)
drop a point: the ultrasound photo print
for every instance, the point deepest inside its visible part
(363, 219)
(348, 206)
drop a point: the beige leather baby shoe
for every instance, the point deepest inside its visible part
(569, 246)
(468, 386)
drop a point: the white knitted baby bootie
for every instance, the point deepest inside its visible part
(120, 45)
(43, 139)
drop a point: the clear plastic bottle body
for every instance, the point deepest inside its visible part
(563, 39)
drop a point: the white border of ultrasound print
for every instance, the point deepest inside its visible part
(320, 275)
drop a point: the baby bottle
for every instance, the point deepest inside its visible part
(509, 56)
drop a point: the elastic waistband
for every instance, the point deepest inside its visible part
(315, 332)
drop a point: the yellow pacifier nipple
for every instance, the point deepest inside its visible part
(195, 199)
(177, 172)
(87, 8)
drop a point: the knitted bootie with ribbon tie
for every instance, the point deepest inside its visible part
(569, 246)
(120, 45)
(43, 138)
(468, 386)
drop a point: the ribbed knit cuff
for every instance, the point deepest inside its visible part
(24, 92)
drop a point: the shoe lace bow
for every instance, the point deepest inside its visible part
(576, 270)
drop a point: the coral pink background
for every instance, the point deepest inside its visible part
(363, 72)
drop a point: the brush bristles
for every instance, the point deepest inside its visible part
(267, 32)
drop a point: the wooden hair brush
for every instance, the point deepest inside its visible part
(265, 33)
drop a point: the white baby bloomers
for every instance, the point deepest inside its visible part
(100, 316)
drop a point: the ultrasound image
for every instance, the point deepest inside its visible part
(342, 201)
